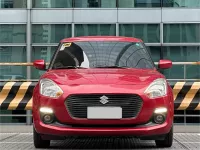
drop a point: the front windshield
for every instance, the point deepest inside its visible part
(101, 54)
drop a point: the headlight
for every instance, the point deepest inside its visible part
(50, 89)
(157, 88)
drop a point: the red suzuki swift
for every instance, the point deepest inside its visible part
(102, 86)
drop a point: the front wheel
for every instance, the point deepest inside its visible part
(38, 141)
(167, 142)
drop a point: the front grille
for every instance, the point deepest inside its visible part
(77, 104)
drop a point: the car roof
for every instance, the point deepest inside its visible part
(101, 38)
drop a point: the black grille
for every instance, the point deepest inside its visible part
(77, 104)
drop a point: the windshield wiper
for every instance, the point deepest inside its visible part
(69, 67)
(111, 67)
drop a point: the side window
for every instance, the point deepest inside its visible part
(54, 55)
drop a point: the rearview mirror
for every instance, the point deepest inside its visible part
(164, 64)
(39, 64)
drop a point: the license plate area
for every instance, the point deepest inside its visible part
(104, 112)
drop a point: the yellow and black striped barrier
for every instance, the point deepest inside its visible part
(18, 95)
(186, 95)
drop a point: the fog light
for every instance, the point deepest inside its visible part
(46, 110)
(160, 110)
(159, 118)
(48, 118)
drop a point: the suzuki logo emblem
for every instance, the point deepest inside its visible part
(104, 99)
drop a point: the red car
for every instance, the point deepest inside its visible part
(102, 86)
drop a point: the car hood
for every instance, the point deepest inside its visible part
(102, 76)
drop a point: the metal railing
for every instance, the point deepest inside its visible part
(28, 114)
(18, 64)
(31, 64)
(174, 63)
(184, 70)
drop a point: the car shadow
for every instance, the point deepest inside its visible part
(102, 143)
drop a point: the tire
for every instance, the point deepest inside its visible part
(38, 141)
(167, 142)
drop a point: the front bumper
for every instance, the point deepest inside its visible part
(138, 131)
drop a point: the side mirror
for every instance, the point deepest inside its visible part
(164, 64)
(39, 64)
